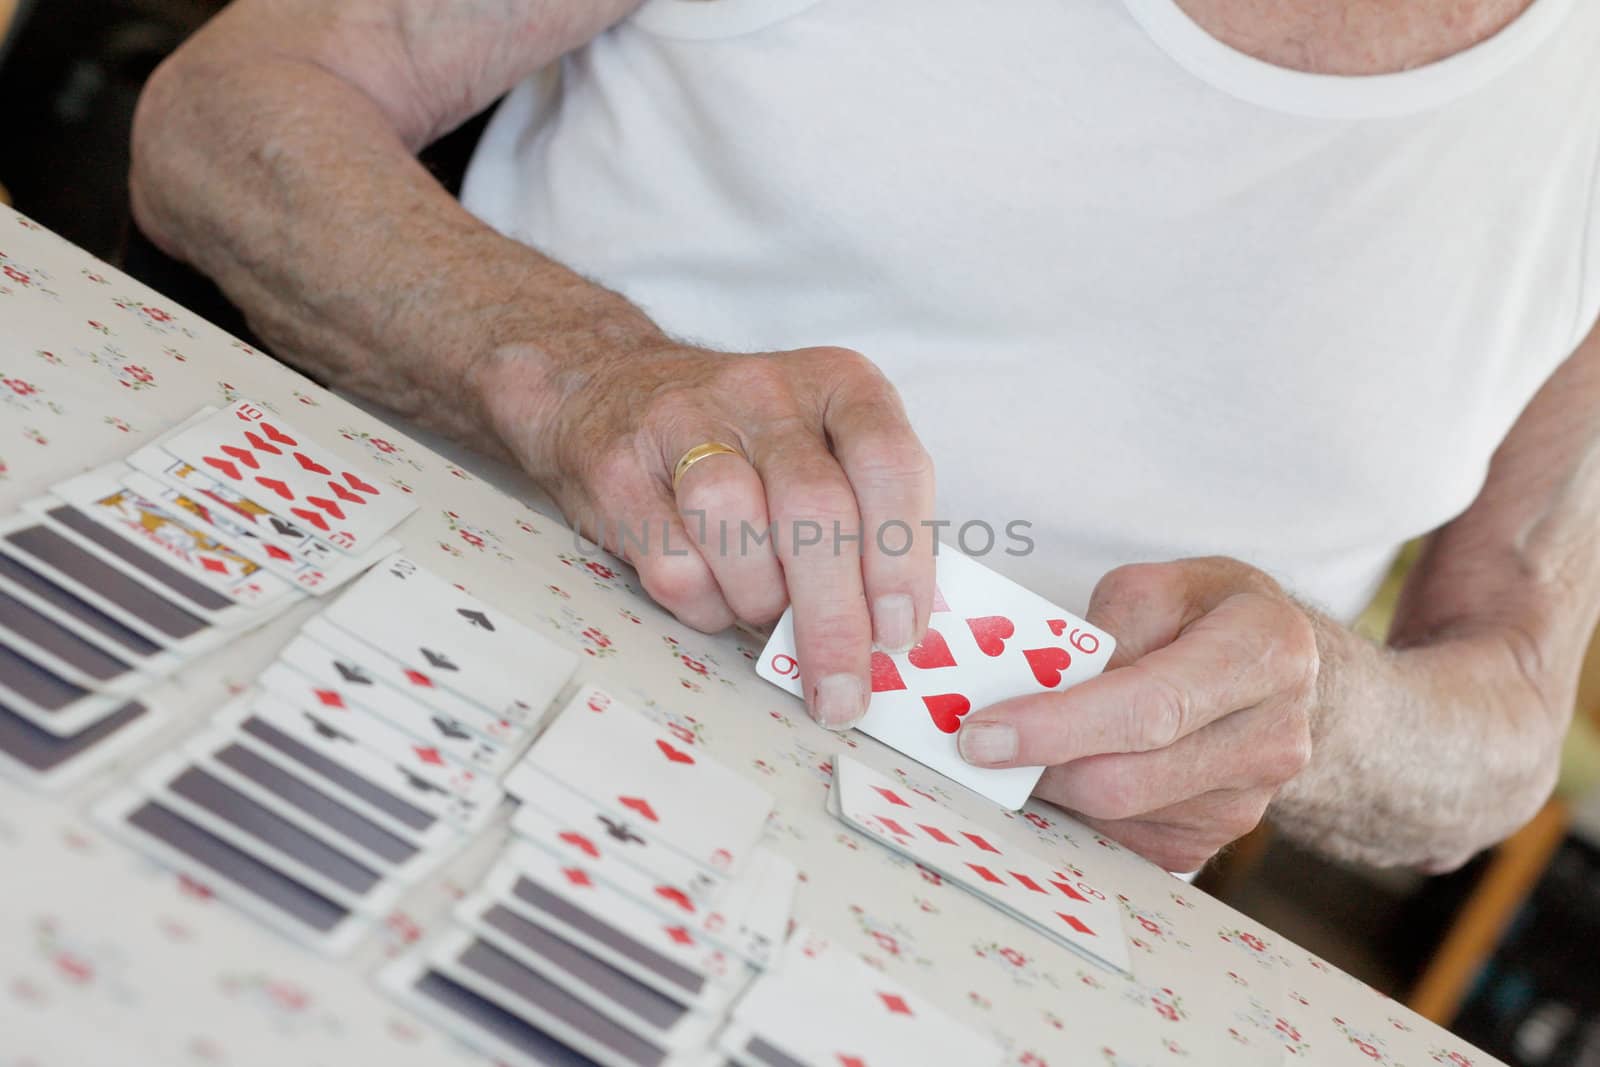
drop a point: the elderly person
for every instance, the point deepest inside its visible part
(1226, 299)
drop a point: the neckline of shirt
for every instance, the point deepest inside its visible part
(1335, 96)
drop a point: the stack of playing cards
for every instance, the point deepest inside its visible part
(823, 1007)
(635, 904)
(1061, 905)
(120, 576)
(364, 756)
(989, 640)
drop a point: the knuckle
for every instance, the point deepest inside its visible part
(816, 497)
(679, 583)
(1162, 718)
(892, 459)
(1292, 751)
(1132, 585)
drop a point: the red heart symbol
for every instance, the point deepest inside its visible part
(277, 553)
(991, 632)
(581, 843)
(344, 494)
(242, 455)
(277, 485)
(326, 505)
(261, 446)
(1057, 626)
(310, 516)
(357, 483)
(932, 653)
(885, 675)
(677, 896)
(310, 464)
(946, 710)
(224, 466)
(418, 678)
(640, 805)
(1047, 664)
(676, 755)
(329, 698)
(278, 435)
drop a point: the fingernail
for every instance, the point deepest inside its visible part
(840, 700)
(894, 620)
(987, 743)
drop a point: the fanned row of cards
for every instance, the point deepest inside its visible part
(1008, 876)
(989, 640)
(364, 756)
(121, 576)
(635, 902)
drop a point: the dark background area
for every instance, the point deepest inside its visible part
(70, 76)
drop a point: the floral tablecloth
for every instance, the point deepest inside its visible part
(106, 958)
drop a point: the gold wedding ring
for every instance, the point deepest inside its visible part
(698, 453)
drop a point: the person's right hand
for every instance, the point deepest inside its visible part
(825, 446)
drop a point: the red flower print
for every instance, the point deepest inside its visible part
(694, 665)
(1254, 942)
(139, 374)
(16, 275)
(157, 314)
(1154, 928)
(887, 943)
(18, 386)
(471, 538)
(74, 967)
(1013, 957)
(597, 637)
(1038, 820)
(600, 570)
(383, 446)
(1459, 1060)
(681, 732)
(289, 996)
(1287, 1029)
(1165, 1010)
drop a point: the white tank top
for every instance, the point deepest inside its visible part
(1149, 294)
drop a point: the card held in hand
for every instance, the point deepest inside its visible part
(988, 640)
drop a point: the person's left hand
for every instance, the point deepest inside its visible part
(1202, 715)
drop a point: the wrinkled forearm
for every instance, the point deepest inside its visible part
(294, 190)
(1421, 756)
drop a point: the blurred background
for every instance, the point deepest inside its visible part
(1504, 951)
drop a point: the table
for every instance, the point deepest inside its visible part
(106, 958)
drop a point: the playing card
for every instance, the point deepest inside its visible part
(377, 665)
(280, 546)
(162, 530)
(233, 875)
(565, 897)
(292, 704)
(427, 815)
(543, 1002)
(465, 645)
(62, 652)
(89, 579)
(226, 813)
(632, 768)
(490, 738)
(444, 751)
(49, 702)
(624, 1000)
(150, 571)
(85, 621)
(41, 759)
(990, 640)
(254, 450)
(746, 916)
(1006, 874)
(481, 1023)
(313, 809)
(824, 1006)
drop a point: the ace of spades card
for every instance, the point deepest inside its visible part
(988, 640)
